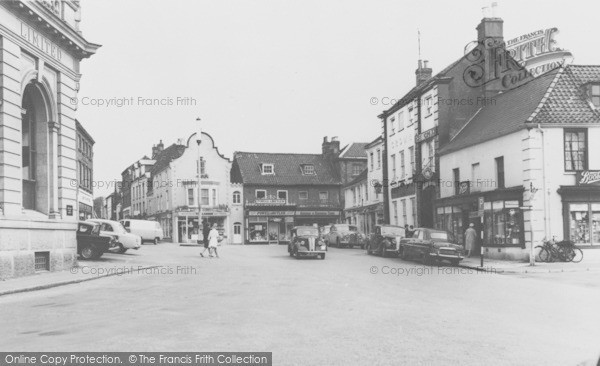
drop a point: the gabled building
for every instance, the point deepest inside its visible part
(85, 173)
(173, 197)
(283, 190)
(524, 168)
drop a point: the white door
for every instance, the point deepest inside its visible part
(237, 233)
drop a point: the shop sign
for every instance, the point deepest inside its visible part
(85, 198)
(317, 213)
(270, 213)
(69, 210)
(270, 201)
(588, 177)
(40, 42)
(426, 135)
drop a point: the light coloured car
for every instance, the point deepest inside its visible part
(147, 230)
(123, 239)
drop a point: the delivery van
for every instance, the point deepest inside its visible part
(147, 230)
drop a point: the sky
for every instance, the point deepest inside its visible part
(277, 75)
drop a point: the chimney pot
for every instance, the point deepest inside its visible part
(425, 63)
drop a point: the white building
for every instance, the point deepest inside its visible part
(173, 194)
(523, 168)
(363, 203)
(41, 48)
(140, 177)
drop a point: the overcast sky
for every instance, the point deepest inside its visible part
(277, 76)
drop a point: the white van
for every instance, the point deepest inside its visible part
(148, 230)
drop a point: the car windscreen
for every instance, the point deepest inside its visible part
(441, 236)
(307, 232)
(392, 231)
(118, 228)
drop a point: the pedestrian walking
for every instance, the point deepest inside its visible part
(205, 232)
(213, 241)
(470, 238)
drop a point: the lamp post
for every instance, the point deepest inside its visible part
(199, 141)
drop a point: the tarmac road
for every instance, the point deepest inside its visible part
(349, 309)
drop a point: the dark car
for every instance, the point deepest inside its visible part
(90, 244)
(306, 243)
(385, 240)
(431, 245)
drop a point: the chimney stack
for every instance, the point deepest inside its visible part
(423, 72)
(330, 149)
(154, 151)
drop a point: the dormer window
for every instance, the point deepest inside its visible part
(267, 169)
(594, 94)
(308, 169)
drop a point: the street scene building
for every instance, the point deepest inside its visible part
(41, 49)
(173, 193)
(85, 172)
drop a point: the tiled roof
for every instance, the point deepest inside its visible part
(362, 176)
(166, 156)
(567, 102)
(504, 114)
(287, 169)
(355, 150)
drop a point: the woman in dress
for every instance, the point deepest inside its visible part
(213, 241)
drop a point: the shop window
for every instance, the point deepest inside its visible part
(500, 172)
(261, 194)
(579, 226)
(282, 195)
(257, 232)
(575, 149)
(303, 195)
(237, 197)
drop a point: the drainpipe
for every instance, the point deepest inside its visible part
(546, 203)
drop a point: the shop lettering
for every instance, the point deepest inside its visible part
(40, 42)
(590, 177)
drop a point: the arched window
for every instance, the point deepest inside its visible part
(237, 197)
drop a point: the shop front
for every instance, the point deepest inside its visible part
(186, 222)
(269, 226)
(85, 205)
(319, 218)
(581, 209)
(365, 218)
(498, 214)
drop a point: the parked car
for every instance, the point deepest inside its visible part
(343, 235)
(123, 239)
(431, 245)
(90, 243)
(306, 243)
(385, 240)
(147, 230)
(324, 231)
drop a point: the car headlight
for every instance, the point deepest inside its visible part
(322, 247)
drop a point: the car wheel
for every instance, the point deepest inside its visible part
(88, 252)
(290, 252)
(337, 243)
(383, 253)
(156, 240)
(403, 254)
(122, 249)
(369, 252)
(322, 256)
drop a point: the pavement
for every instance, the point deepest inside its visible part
(349, 309)
(590, 263)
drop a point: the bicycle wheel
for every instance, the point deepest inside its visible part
(544, 254)
(577, 255)
(566, 254)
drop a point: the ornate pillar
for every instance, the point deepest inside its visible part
(53, 131)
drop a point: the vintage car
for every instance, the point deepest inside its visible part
(385, 240)
(344, 235)
(116, 230)
(431, 245)
(306, 243)
(90, 243)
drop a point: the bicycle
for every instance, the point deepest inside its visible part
(565, 251)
